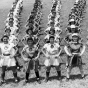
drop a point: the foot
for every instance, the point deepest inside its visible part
(19, 68)
(82, 77)
(59, 78)
(67, 79)
(46, 80)
(16, 80)
(2, 82)
(25, 82)
(38, 80)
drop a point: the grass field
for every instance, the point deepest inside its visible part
(75, 82)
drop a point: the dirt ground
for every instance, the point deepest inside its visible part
(75, 82)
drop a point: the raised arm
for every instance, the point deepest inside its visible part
(83, 50)
(67, 52)
(24, 54)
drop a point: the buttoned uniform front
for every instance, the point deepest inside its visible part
(51, 54)
(31, 55)
(13, 30)
(74, 53)
(7, 55)
(58, 30)
(13, 39)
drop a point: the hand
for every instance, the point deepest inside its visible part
(79, 54)
(56, 57)
(25, 61)
(70, 54)
(26, 54)
(48, 57)
(35, 59)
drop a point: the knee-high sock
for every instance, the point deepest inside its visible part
(15, 74)
(47, 75)
(37, 74)
(27, 76)
(59, 73)
(3, 76)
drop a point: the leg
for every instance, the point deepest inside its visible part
(17, 63)
(58, 71)
(47, 73)
(80, 66)
(69, 67)
(36, 70)
(81, 70)
(27, 73)
(3, 73)
(68, 72)
(14, 69)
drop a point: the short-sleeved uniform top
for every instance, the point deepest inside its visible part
(51, 51)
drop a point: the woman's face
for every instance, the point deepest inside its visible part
(51, 40)
(75, 39)
(73, 30)
(54, 14)
(11, 15)
(30, 43)
(8, 32)
(30, 32)
(52, 24)
(51, 32)
(5, 40)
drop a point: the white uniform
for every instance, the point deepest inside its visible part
(58, 7)
(49, 22)
(76, 1)
(28, 52)
(49, 16)
(57, 37)
(57, 30)
(47, 29)
(52, 54)
(56, 19)
(13, 39)
(14, 30)
(7, 55)
(57, 23)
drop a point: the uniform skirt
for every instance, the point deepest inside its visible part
(7, 61)
(52, 61)
(75, 61)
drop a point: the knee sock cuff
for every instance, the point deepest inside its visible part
(37, 74)
(15, 74)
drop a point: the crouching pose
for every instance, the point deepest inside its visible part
(30, 54)
(7, 60)
(74, 51)
(52, 51)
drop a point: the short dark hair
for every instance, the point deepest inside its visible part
(7, 29)
(4, 37)
(51, 37)
(28, 30)
(30, 38)
(52, 29)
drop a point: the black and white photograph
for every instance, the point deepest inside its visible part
(44, 44)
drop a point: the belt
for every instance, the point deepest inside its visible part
(6, 54)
